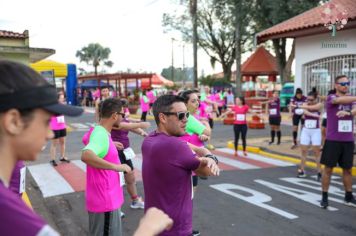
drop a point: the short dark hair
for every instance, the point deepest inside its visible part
(340, 77)
(298, 91)
(242, 99)
(109, 106)
(164, 104)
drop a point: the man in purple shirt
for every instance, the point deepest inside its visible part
(27, 102)
(168, 163)
(339, 144)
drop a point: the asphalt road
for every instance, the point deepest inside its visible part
(262, 201)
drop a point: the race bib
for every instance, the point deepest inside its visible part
(60, 119)
(345, 126)
(122, 179)
(310, 124)
(240, 117)
(129, 153)
(22, 180)
(273, 111)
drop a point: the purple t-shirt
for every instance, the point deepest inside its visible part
(18, 219)
(167, 168)
(16, 177)
(274, 108)
(339, 129)
(296, 101)
(121, 136)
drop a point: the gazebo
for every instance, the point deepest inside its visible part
(261, 62)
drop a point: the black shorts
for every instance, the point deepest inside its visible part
(324, 122)
(297, 119)
(195, 180)
(211, 123)
(275, 120)
(59, 133)
(123, 159)
(336, 152)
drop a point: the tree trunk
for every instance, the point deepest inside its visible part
(227, 72)
(238, 50)
(279, 48)
(287, 72)
(193, 12)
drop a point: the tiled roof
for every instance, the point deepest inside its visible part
(261, 62)
(10, 34)
(309, 19)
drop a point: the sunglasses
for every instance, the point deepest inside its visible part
(180, 115)
(344, 83)
(122, 114)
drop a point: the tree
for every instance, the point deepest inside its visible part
(271, 12)
(94, 54)
(216, 30)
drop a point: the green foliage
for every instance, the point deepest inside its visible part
(180, 74)
(94, 54)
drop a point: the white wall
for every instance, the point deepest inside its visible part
(310, 48)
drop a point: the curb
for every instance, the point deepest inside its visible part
(259, 150)
(26, 199)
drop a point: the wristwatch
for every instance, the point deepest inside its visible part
(211, 156)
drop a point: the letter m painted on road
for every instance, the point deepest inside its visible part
(257, 198)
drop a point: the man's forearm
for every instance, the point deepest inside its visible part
(89, 158)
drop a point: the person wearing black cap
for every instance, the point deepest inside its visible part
(27, 102)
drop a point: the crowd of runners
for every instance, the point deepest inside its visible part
(174, 155)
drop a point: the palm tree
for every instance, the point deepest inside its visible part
(94, 54)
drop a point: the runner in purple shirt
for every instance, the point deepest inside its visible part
(274, 117)
(27, 103)
(339, 144)
(168, 163)
(296, 113)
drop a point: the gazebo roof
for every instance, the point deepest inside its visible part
(261, 62)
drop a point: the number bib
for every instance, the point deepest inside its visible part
(345, 126)
(310, 124)
(273, 111)
(240, 117)
(129, 153)
(60, 119)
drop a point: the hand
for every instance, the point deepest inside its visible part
(210, 163)
(204, 138)
(343, 113)
(123, 168)
(153, 223)
(119, 145)
(144, 125)
(144, 134)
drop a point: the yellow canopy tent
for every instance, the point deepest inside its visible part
(60, 70)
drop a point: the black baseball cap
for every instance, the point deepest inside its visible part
(23, 88)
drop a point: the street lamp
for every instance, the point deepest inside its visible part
(172, 67)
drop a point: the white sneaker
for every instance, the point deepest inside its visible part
(138, 204)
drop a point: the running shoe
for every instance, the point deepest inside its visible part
(245, 154)
(278, 143)
(53, 163)
(301, 174)
(294, 146)
(210, 147)
(324, 203)
(122, 215)
(195, 233)
(318, 177)
(270, 143)
(138, 204)
(351, 202)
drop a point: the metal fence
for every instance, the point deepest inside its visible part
(321, 73)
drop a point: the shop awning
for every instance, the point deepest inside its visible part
(60, 69)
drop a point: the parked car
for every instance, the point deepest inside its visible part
(286, 94)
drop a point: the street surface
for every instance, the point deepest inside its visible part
(254, 195)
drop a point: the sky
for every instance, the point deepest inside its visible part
(132, 29)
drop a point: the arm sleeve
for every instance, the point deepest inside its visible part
(186, 159)
(194, 126)
(98, 142)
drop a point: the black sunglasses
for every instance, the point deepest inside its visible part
(181, 114)
(344, 83)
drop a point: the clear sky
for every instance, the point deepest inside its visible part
(132, 29)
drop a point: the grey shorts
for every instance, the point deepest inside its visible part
(105, 224)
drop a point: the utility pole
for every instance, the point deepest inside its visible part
(172, 66)
(193, 12)
(238, 47)
(184, 74)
